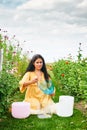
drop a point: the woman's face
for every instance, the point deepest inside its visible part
(38, 64)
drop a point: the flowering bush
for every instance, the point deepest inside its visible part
(72, 77)
(8, 86)
(10, 74)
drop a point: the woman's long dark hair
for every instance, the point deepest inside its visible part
(43, 69)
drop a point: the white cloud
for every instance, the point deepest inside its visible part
(37, 4)
(47, 25)
(83, 4)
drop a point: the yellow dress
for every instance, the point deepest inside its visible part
(34, 95)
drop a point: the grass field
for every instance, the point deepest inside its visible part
(77, 121)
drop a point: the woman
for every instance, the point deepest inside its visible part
(35, 81)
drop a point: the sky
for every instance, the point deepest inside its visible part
(52, 28)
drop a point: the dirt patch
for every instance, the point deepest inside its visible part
(81, 106)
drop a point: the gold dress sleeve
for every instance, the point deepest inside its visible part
(22, 81)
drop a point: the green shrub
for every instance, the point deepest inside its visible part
(72, 77)
(8, 87)
(14, 64)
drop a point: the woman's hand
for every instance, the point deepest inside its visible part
(34, 80)
(53, 94)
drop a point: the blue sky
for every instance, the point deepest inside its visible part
(53, 28)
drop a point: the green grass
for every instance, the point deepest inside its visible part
(75, 122)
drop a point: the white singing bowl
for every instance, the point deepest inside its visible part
(65, 106)
(20, 109)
